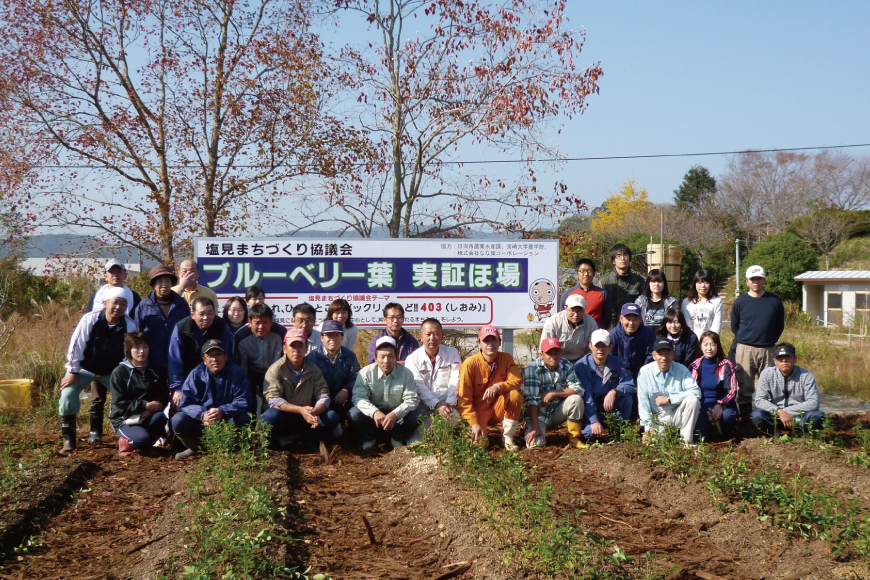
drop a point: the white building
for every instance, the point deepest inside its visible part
(837, 297)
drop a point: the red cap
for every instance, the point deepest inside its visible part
(488, 331)
(550, 343)
(294, 335)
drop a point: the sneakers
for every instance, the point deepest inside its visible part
(414, 440)
(368, 444)
(396, 444)
(337, 431)
(124, 447)
(538, 442)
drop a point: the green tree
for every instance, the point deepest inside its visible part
(698, 187)
(783, 256)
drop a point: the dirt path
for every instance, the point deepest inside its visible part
(107, 527)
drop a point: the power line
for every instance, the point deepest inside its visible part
(545, 160)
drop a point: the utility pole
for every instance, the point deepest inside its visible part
(737, 262)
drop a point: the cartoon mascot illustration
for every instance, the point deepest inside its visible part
(543, 295)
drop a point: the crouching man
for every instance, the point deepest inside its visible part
(436, 369)
(385, 399)
(216, 390)
(787, 393)
(298, 396)
(553, 396)
(666, 389)
(490, 389)
(608, 384)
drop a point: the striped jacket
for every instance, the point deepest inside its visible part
(726, 379)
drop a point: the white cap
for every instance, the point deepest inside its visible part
(600, 335)
(755, 272)
(575, 300)
(114, 292)
(386, 340)
(112, 263)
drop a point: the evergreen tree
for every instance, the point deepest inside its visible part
(698, 187)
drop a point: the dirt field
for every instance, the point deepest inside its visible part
(401, 515)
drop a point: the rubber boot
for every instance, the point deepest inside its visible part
(192, 444)
(574, 432)
(509, 427)
(68, 432)
(95, 435)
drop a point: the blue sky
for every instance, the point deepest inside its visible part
(714, 76)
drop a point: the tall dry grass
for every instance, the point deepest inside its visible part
(38, 351)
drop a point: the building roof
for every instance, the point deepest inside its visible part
(834, 276)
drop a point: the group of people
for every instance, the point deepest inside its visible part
(174, 366)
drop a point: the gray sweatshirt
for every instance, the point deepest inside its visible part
(793, 394)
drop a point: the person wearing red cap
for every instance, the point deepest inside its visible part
(489, 389)
(553, 395)
(298, 396)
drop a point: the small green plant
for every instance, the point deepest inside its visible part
(862, 438)
(233, 529)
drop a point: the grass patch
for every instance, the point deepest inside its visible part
(552, 543)
(862, 438)
(17, 459)
(234, 528)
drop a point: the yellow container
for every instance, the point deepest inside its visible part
(15, 393)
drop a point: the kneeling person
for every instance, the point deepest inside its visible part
(608, 384)
(138, 398)
(788, 391)
(298, 396)
(490, 389)
(215, 390)
(385, 399)
(667, 389)
(553, 395)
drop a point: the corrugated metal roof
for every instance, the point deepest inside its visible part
(834, 275)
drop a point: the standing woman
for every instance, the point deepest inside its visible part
(655, 299)
(341, 311)
(702, 307)
(236, 314)
(715, 375)
(674, 328)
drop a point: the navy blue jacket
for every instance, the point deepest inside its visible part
(620, 379)
(685, 347)
(634, 350)
(228, 390)
(150, 320)
(340, 374)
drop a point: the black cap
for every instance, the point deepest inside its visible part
(785, 349)
(662, 344)
(213, 343)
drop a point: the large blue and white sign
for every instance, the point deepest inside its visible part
(508, 283)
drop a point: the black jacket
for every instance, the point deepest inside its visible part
(132, 390)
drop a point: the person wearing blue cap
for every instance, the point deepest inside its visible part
(338, 365)
(632, 340)
(787, 393)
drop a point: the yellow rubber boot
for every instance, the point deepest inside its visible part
(575, 430)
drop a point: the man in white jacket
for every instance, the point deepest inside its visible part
(436, 371)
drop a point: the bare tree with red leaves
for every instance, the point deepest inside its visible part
(166, 119)
(437, 80)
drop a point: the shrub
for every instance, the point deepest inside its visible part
(783, 256)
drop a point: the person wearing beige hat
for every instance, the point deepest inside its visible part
(572, 326)
(553, 395)
(757, 321)
(490, 386)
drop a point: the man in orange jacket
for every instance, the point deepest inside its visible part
(490, 386)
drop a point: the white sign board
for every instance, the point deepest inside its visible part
(462, 283)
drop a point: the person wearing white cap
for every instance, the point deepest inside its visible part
(490, 392)
(608, 385)
(757, 321)
(385, 399)
(553, 395)
(572, 326)
(95, 349)
(115, 275)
